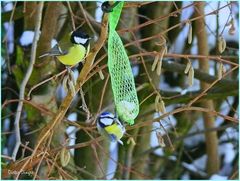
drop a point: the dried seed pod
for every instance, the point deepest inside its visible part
(155, 62)
(71, 87)
(232, 29)
(65, 80)
(166, 49)
(223, 69)
(221, 44)
(65, 157)
(191, 76)
(224, 44)
(156, 102)
(131, 140)
(71, 77)
(230, 22)
(190, 33)
(161, 107)
(189, 64)
(159, 67)
(160, 139)
(101, 74)
(128, 141)
(220, 71)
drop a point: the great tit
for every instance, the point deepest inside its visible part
(109, 126)
(107, 8)
(72, 49)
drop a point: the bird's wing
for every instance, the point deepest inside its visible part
(58, 50)
(55, 51)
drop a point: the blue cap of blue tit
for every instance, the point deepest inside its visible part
(109, 126)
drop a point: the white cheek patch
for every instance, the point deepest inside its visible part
(80, 40)
(106, 121)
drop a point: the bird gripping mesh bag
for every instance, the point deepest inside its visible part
(122, 80)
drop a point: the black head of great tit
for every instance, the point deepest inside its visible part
(72, 49)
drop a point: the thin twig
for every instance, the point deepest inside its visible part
(26, 78)
(72, 16)
(45, 152)
(24, 149)
(86, 18)
(43, 82)
(84, 105)
(97, 158)
(103, 92)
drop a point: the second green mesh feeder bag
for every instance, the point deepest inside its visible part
(122, 80)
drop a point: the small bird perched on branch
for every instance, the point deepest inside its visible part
(109, 126)
(72, 49)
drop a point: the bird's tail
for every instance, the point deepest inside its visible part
(119, 141)
(44, 55)
(49, 54)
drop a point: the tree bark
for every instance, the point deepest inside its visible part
(30, 15)
(211, 137)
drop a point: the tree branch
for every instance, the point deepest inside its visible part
(26, 78)
(209, 121)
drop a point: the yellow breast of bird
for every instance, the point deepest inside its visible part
(114, 129)
(75, 55)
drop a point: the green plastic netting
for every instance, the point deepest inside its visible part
(122, 80)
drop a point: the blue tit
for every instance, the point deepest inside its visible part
(72, 49)
(109, 126)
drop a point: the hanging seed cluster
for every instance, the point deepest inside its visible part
(64, 157)
(232, 29)
(221, 70)
(189, 33)
(221, 44)
(157, 63)
(100, 73)
(69, 82)
(131, 141)
(190, 71)
(159, 104)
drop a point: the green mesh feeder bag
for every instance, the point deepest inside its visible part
(122, 80)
